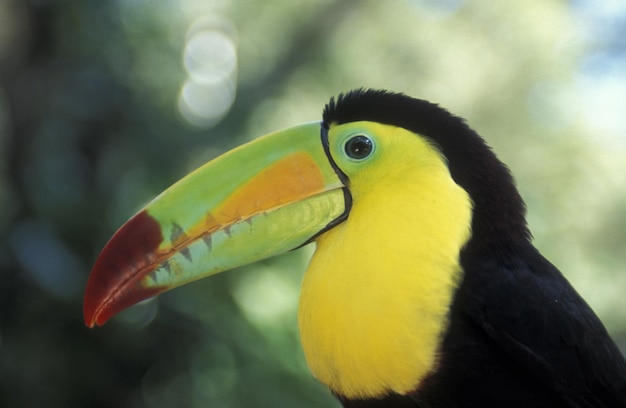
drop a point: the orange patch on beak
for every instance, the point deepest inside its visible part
(288, 180)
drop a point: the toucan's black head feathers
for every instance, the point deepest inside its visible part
(387, 107)
(499, 211)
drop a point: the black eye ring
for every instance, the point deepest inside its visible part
(359, 147)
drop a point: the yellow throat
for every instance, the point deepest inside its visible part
(375, 298)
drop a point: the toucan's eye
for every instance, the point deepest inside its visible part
(359, 147)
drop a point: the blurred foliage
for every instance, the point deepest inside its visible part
(104, 104)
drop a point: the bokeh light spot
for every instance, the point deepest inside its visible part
(266, 297)
(210, 60)
(204, 104)
(210, 56)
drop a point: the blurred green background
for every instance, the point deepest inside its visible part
(103, 104)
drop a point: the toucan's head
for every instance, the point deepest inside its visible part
(377, 159)
(283, 190)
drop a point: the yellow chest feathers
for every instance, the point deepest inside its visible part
(375, 298)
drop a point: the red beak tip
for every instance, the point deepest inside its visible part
(114, 283)
(96, 317)
(90, 316)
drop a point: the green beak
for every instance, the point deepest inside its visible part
(261, 199)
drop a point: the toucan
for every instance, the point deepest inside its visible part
(424, 289)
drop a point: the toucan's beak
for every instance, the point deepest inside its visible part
(264, 198)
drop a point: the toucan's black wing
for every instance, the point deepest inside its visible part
(520, 336)
(539, 322)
